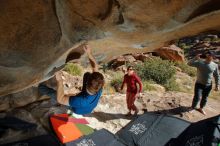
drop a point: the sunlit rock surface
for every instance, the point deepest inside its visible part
(37, 36)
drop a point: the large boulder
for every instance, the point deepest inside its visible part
(36, 37)
(171, 52)
(141, 56)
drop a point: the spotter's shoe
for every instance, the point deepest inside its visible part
(201, 111)
(191, 110)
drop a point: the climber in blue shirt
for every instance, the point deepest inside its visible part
(85, 101)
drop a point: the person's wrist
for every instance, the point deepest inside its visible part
(88, 54)
(59, 81)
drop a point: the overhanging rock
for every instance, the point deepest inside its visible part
(37, 36)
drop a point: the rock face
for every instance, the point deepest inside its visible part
(72, 85)
(172, 52)
(120, 62)
(200, 44)
(37, 36)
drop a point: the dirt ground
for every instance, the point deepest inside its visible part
(110, 112)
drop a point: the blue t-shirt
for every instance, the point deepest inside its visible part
(84, 103)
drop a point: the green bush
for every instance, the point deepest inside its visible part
(207, 39)
(147, 86)
(73, 69)
(215, 39)
(157, 70)
(191, 71)
(184, 46)
(172, 85)
(117, 79)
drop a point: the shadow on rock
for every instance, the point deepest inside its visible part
(103, 117)
(175, 111)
